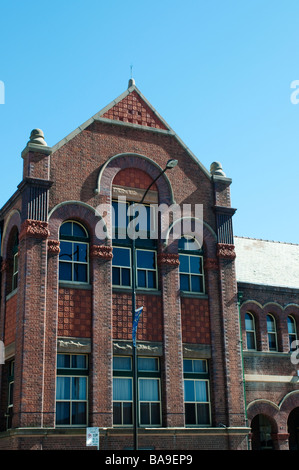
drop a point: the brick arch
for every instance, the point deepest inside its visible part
(75, 210)
(13, 221)
(266, 408)
(120, 162)
(290, 401)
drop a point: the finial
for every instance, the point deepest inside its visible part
(131, 81)
(216, 169)
(37, 137)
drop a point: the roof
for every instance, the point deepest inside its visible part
(144, 116)
(267, 262)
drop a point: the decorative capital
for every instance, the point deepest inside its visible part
(168, 259)
(226, 251)
(101, 251)
(53, 247)
(211, 263)
(34, 229)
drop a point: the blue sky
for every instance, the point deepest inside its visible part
(219, 72)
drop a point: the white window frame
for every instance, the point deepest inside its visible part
(196, 402)
(252, 332)
(140, 402)
(274, 333)
(130, 379)
(189, 274)
(72, 262)
(154, 270)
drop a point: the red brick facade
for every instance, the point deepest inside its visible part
(124, 149)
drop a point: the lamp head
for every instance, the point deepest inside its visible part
(171, 164)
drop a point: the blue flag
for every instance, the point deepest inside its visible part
(138, 312)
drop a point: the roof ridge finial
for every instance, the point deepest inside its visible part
(131, 81)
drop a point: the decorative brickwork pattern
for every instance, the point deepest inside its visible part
(150, 325)
(134, 110)
(10, 320)
(134, 178)
(74, 313)
(195, 321)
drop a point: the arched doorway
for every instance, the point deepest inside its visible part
(261, 433)
(293, 429)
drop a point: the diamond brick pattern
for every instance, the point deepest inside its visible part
(134, 110)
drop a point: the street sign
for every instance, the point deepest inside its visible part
(92, 437)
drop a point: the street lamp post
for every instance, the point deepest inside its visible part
(170, 164)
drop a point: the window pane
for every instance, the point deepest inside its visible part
(78, 413)
(184, 263)
(184, 282)
(203, 413)
(250, 340)
(189, 390)
(79, 388)
(78, 231)
(155, 413)
(196, 283)
(199, 365)
(63, 361)
(249, 325)
(125, 277)
(145, 259)
(187, 365)
(195, 264)
(144, 413)
(270, 324)
(122, 389)
(116, 276)
(190, 417)
(291, 325)
(149, 389)
(79, 361)
(272, 342)
(127, 413)
(80, 272)
(148, 364)
(63, 388)
(121, 257)
(122, 363)
(66, 229)
(80, 252)
(141, 278)
(151, 279)
(117, 413)
(65, 271)
(66, 250)
(62, 413)
(201, 390)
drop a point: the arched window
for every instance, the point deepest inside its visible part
(73, 257)
(272, 333)
(191, 265)
(292, 330)
(250, 331)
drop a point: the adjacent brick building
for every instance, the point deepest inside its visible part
(66, 301)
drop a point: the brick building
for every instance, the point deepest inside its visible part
(67, 301)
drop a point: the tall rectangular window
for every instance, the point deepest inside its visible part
(149, 395)
(196, 393)
(122, 391)
(71, 390)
